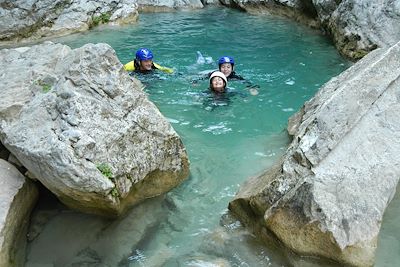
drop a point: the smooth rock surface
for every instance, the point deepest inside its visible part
(328, 194)
(18, 196)
(83, 127)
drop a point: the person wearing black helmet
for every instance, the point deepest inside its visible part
(143, 63)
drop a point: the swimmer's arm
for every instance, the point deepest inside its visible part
(248, 83)
(201, 78)
(163, 69)
(238, 77)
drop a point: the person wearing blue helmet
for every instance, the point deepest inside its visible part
(226, 65)
(143, 63)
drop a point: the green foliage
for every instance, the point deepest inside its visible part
(103, 18)
(114, 192)
(105, 170)
(359, 54)
(45, 87)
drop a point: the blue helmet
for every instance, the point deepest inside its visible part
(144, 54)
(223, 60)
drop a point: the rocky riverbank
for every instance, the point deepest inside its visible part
(356, 27)
(327, 195)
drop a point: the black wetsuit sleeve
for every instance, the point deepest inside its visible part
(248, 83)
(201, 78)
(236, 77)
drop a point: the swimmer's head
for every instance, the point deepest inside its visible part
(145, 58)
(218, 82)
(225, 65)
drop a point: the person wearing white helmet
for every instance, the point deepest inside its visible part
(218, 82)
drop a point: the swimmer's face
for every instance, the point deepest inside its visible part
(146, 64)
(218, 85)
(226, 69)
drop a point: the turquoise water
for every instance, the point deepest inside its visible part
(226, 143)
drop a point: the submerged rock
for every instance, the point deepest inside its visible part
(96, 241)
(83, 127)
(17, 198)
(35, 19)
(328, 194)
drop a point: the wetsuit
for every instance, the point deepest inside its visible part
(234, 76)
(134, 67)
(212, 100)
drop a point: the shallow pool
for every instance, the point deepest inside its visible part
(285, 62)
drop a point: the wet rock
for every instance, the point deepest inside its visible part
(168, 5)
(328, 194)
(83, 127)
(35, 19)
(17, 198)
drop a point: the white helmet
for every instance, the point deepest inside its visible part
(218, 74)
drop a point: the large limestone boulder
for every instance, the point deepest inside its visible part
(168, 5)
(300, 10)
(17, 198)
(83, 127)
(23, 19)
(358, 26)
(328, 194)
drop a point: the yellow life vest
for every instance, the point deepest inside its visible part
(130, 66)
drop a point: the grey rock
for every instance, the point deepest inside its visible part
(27, 20)
(324, 9)
(211, 2)
(83, 127)
(300, 10)
(18, 196)
(361, 26)
(14, 161)
(328, 194)
(167, 5)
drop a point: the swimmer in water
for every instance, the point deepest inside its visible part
(218, 82)
(226, 65)
(143, 63)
